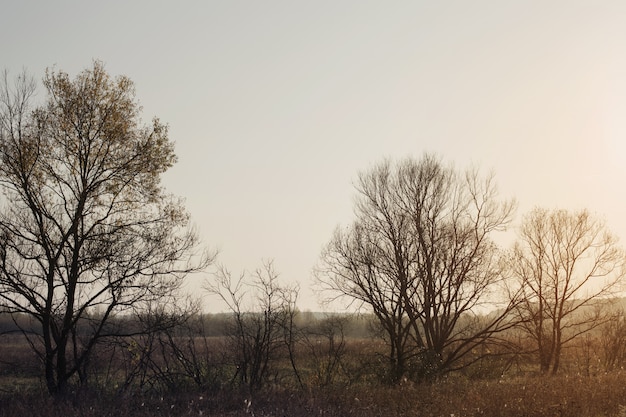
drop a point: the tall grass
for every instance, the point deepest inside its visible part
(580, 396)
(200, 373)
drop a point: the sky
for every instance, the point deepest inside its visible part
(276, 106)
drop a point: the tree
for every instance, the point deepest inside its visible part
(420, 256)
(566, 265)
(326, 345)
(86, 230)
(613, 341)
(262, 329)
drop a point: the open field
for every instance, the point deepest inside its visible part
(603, 395)
(504, 386)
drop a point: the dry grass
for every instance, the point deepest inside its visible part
(596, 396)
(581, 391)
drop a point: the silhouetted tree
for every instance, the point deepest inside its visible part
(86, 230)
(613, 341)
(420, 256)
(263, 321)
(566, 264)
(326, 345)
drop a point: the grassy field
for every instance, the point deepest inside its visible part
(603, 395)
(196, 376)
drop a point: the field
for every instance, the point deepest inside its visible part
(603, 395)
(505, 386)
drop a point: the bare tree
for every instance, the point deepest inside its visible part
(326, 344)
(613, 341)
(86, 230)
(263, 321)
(420, 256)
(566, 264)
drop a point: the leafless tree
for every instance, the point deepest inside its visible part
(613, 341)
(421, 257)
(86, 230)
(325, 342)
(263, 321)
(165, 349)
(567, 265)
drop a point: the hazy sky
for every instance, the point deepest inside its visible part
(276, 106)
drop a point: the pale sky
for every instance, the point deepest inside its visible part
(275, 106)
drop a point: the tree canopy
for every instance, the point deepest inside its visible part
(421, 257)
(86, 230)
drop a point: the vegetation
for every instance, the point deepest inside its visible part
(86, 232)
(421, 257)
(565, 263)
(93, 253)
(192, 370)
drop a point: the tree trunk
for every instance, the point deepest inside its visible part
(51, 382)
(557, 353)
(61, 368)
